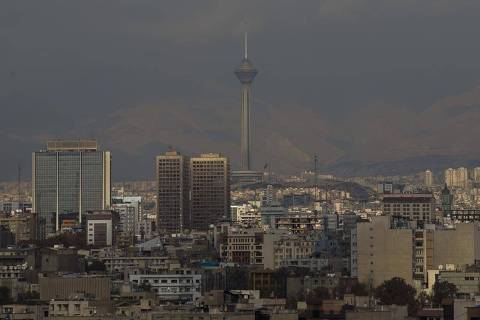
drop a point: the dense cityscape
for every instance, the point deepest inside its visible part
(207, 237)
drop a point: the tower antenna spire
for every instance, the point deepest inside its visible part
(246, 46)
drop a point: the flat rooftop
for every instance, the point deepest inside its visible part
(72, 145)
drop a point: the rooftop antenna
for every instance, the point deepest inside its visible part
(246, 46)
(315, 172)
(315, 182)
(19, 182)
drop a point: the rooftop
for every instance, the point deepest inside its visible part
(72, 145)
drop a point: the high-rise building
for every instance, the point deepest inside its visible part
(450, 177)
(457, 177)
(70, 176)
(476, 174)
(173, 192)
(428, 178)
(461, 177)
(381, 250)
(210, 190)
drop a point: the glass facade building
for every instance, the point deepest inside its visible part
(70, 177)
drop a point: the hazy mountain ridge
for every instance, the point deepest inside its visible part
(375, 139)
(378, 139)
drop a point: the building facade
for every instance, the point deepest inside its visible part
(428, 178)
(131, 217)
(210, 190)
(457, 177)
(177, 285)
(173, 192)
(416, 207)
(382, 249)
(243, 246)
(70, 176)
(100, 231)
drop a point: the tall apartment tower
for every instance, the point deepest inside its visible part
(461, 177)
(450, 177)
(173, 192)
(70, 176)
(476, 174)
(210, 185)
(428, 178)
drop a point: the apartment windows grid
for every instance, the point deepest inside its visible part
(70, 177)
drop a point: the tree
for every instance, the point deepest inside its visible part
(317, 295)
(443, 290)
(397, 291)
(236, 278)
(356, 288)
(424, 300)
(359, 289)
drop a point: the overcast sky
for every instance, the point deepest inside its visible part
(347, 79)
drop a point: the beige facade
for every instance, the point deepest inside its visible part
(416, 207)
(459, 246)
(456, 177)
(280, 250)
(436, 246)
(185, 315)
(467, 283)
(383, 249)
(273, 250)
(71, 308)
(428, 178)
(243, 246)
(63, 288)
(382, 252)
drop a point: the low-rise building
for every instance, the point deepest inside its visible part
(467, 280)
(281, 249)
(243, 246)
(174, 285)
(100, 230)
(416, 207)
(97, 287)
(24, 312)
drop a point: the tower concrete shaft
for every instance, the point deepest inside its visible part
(246, 74)
(246, 138)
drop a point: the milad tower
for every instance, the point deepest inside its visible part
(246, 74)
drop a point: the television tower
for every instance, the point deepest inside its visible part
(246, 74)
